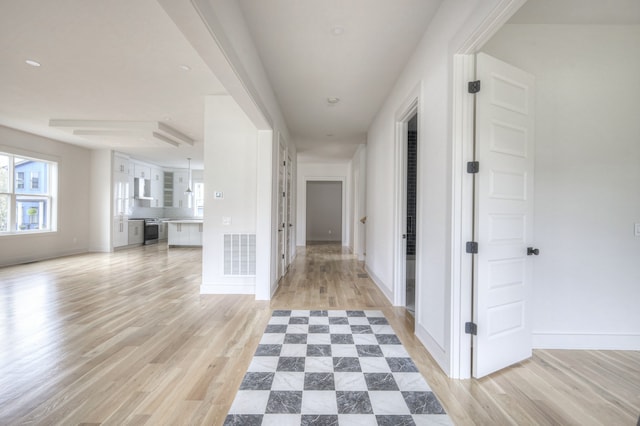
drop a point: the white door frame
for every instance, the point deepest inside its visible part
(282, 207)
(290, 211)
(462, 184)
(410, 107)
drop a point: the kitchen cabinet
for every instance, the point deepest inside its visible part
(167, 189)
(141, 171)
(122, 200)
(120, 232)
(185, 233)
(180, 185)
(157, 187)
(120, 164)
(136, 232)
(163, 231)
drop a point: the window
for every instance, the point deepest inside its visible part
(35, 180)
(26, 208)
(198, 205)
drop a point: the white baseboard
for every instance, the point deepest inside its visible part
(435, 350)
(591, 341)
(378, 282)
(228, 289)
(57, 255)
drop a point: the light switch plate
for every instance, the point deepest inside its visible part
(637, 229)
(226, 221)
(218, 195)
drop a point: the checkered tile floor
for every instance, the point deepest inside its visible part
(333, 368)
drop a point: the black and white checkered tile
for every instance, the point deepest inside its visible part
(333, 368)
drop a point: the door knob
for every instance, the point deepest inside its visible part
(532, 251)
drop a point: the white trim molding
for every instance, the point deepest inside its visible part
(378, 282)
(227, 289)
(407, 109)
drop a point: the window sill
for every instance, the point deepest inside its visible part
(21, 233)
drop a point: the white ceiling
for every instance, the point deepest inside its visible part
(119, 60)
(306, 63)
(579, 12)
(116, 60)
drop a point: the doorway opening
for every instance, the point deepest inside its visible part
(324, 212)
(411, 188)
(282, 210)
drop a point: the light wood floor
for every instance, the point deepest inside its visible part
(125, 338)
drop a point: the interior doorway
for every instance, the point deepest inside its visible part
(324, 212)
(283, 196)
(411, 195)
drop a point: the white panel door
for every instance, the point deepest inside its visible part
(503, 215)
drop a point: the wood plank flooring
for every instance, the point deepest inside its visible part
(126, 338)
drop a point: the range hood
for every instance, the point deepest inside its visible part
(142, 189)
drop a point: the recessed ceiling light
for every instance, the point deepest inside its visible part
(333, 100)
(337, 30)
(185, 67)
(32, 63)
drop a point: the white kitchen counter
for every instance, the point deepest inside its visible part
(185, 221)
(185, 232)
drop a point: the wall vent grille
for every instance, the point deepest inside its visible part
(240, 254)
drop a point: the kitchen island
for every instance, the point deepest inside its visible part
(185, 232)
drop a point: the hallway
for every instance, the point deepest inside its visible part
(126, 338)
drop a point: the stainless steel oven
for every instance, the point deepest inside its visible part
(151, 230)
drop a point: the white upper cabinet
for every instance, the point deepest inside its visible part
(180, 184)
(141, 171)
(157, 187)
(122, 199)
(120, 164)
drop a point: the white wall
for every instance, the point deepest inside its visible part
(230, 150)
(358, 170)
(324, 211)
(219, 33)
(318, 172)
(101, 213)
(73, 200)
(427, 76)
(587, 180)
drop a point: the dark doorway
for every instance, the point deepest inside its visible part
(411, 185)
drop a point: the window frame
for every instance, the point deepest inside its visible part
(20, 180)
(34, 178)
(16, 195)
(195, 205)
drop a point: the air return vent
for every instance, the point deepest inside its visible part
(240, 254)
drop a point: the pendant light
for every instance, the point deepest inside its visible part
(188, 190)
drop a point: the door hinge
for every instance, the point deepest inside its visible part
(283, 255)
(284, 195)
(284, 163)
(471, 328)
(474, 86)
(472, 247)
(473, 167)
